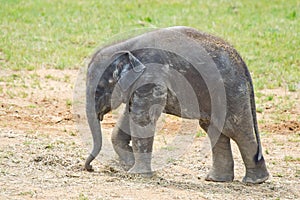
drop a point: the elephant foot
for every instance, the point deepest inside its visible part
(219, 176)
(258, 174)
(255, 179)
(141, 170)
(127, 162)
(126, 158)
(142, 165)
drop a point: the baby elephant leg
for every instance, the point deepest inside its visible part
(142, 143)
(256, 171)
(222, 168)
(121, 139)
(146, 106)
(142, 148)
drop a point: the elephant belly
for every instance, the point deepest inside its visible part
(187, 109)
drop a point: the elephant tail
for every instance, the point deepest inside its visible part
(259, 155)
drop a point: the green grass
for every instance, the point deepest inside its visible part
(60, 34)
(68, 103)
(200, 133)
(169, 148)
(82, 197)
(291, 159)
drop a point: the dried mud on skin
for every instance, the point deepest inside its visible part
(42, 156)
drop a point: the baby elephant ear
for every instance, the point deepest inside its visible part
(129, 70)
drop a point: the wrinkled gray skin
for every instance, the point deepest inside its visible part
(107, 69)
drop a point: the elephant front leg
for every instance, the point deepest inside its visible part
(223, 166)
(142, 136)
(146, 105)
(121, 139)
(142, 148)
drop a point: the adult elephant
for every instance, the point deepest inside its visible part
(183, 72)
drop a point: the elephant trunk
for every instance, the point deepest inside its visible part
(94, 124)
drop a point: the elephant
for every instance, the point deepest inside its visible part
(183, 72)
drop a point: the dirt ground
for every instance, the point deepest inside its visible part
(42, 153)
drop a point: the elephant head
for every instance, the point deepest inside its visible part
(108, 83)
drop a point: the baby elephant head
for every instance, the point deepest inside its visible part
(124, 70)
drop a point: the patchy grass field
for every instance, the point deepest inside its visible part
(44, 43)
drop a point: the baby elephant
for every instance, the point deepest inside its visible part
(178, 71)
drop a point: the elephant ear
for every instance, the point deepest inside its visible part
(128, 70)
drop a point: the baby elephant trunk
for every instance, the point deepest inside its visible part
(94, 124)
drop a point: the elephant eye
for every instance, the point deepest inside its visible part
(100, 90)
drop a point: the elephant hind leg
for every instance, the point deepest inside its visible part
(223, 165)
(256, 171)
(222, 169)
(121, 139)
